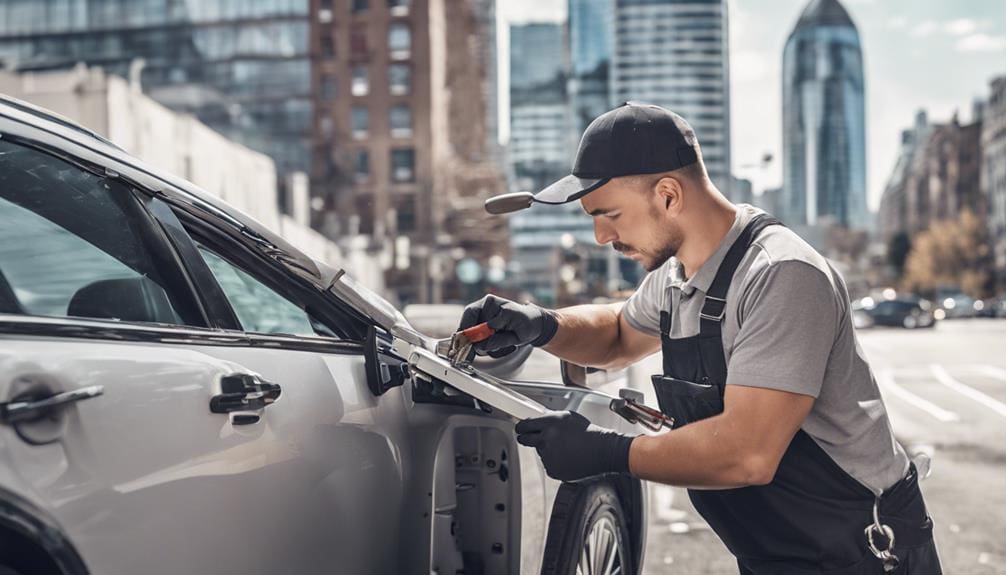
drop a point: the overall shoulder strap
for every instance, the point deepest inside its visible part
(715, 303)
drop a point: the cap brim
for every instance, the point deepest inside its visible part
(569, 189)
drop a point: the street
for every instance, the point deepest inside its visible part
(945, 390)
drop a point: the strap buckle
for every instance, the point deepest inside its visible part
(713, 303)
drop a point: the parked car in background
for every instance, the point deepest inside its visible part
(959, 306)
(182, 391)
(909, 313)
(990, 307)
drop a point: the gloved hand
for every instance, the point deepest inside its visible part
(515, 324)
(572, 448)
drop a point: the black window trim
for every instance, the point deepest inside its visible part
(346, 323)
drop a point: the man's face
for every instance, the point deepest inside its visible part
(632, 216)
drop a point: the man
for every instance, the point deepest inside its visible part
(780, 431)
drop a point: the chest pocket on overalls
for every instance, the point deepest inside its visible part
(691, 387)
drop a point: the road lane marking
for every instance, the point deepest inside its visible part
(993, 372)
(886, 380)
(943, 377)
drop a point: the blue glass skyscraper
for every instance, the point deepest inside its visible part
(824, 132)
(591, 35)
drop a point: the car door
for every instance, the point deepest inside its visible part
(98, 319)
(330, 496)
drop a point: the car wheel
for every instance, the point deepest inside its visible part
(910, 322)
(587, 533)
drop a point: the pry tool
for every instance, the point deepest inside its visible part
(462, 343)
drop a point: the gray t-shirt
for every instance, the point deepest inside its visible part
(787, 326)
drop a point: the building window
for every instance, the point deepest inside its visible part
(400, 119)
(405, 214)
(359, 5)
(358, 43)
(327, 47)
(361, 169)
(361, 82)
(328, 88)
(325, 13)
(361, 122)
(403, 165)
(399, 41)
(399, 79)
(326, 126)
(398, 7)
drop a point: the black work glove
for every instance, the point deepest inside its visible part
(572, 448)
(516, 324)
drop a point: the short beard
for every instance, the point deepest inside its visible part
(668, 250)
(669, 244)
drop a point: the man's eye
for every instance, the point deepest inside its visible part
(613, 216)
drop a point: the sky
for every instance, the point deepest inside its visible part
(937, 55)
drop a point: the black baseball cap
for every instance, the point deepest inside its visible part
(631, 140)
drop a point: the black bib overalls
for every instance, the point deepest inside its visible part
(811, 517)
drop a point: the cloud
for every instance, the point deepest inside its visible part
(965, 26)
(927, 28)
(981, 43)
(897, 22)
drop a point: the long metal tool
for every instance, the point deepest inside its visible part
(629, 405)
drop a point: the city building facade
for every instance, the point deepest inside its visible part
(824, 128)
(993, 174)
(674, 53)
(402, 139)
(242, 68)
(892, 216)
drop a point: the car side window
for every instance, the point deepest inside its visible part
(72, 243)
(259, 308)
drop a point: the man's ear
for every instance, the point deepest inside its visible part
(670, 190)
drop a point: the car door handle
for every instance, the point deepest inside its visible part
(244, 392)
(29, 409)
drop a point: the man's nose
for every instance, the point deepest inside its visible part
(603, 233)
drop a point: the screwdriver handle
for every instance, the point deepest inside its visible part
(477, 333)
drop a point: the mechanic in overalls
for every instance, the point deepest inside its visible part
(780, 433)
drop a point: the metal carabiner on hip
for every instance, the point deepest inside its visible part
(886, 555)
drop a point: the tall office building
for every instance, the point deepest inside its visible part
(539, 155)
(824, 133)
(591, 38)
(401, 136)
(538, 102)
(673, 53)
(243, 68)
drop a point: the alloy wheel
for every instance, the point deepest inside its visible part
(600, 554)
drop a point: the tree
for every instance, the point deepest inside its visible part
(951, 254)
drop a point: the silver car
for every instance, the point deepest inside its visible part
(181, 391)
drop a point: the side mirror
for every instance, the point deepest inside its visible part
(575, 375)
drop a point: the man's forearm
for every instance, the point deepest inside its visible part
(709, 454)
(588, 335)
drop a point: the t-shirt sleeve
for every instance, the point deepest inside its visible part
(789, 319)
(642, 310)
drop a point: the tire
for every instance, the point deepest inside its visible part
(588, 526)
